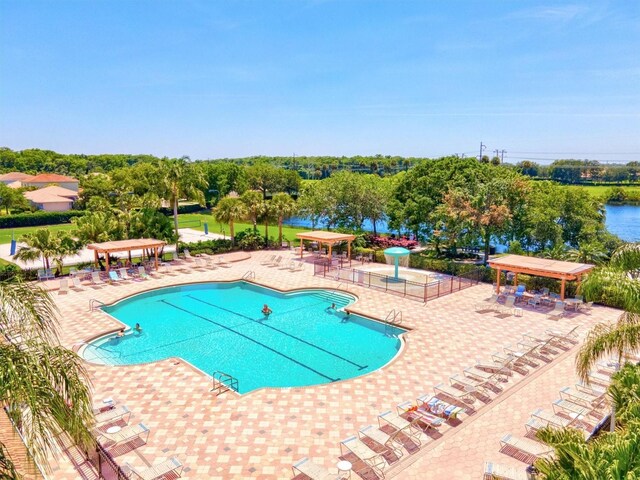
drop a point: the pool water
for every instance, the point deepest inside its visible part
(220, 327)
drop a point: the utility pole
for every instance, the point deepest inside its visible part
(500, 154)
(482, 148)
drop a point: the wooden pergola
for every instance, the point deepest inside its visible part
(125, 246)
(540, 267)
(328, 238)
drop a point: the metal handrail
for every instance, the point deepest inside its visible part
(223, 382)
(93, 302)
(249, 275)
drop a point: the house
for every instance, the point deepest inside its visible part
(44, 179)
(12, 177)
(52, 198)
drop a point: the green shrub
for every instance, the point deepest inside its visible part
(207, 246)
(182, 209)
(450, 267)
(38, 218)
(249, 240)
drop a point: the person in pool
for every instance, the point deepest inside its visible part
(266, 311)
(138, 328)
(121, 332)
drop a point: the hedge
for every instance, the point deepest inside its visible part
(38, 218)
(206, 246)
(182, 209)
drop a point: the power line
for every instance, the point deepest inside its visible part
(579, 153)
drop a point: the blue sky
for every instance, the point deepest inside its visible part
(214, 79)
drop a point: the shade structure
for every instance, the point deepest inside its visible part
(126, 246)
(328, 238)
(541, 267)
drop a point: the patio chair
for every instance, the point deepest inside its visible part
(268, 260)
(400, 425)
(45, 274)
(124, 275)
(525, 445)
(125, 435)
(523, 355)
(142, 273)
(480, 385)
(420, 415)
(312, 470)
(113, 415)
(550, 419)
(221, 262)
(496, 373)
(187, 255)
(456, 394)
(536, 301)
(569, 407)
(508, 307)
(199, 263)
(389, 442)
(570, 336)
(96, 280)
(113, 276)
(519, 294)
(77, 283)
(488, 304)
(557, 312)
(582, 397)
(159, 470)
(599, 378)
(371, 458)
(495, 471)
(439, 407)
(276, 262)
(503, 365)
(587, 307)
(64, 286)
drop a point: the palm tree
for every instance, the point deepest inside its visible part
(230, 210)
(588, 253)
(181, 181)
(41, 244)
(283, 207)
(44, 386)
(97, 227)
(252, 200)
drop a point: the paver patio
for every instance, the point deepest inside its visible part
(260, 434)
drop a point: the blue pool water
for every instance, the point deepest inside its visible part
(220, 327)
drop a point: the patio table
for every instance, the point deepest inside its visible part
(574, 303)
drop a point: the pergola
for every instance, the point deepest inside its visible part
(328, 238)
(540, 267)
(125, 246)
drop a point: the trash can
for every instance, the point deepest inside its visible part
(532, 472)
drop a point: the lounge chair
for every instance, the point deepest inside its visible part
(525, 445)
(494, 471)
(549, 419)
(45, 274)
(523, 355)
(296, 265)
(585, 306)
(417, 415)
(113, 415)
(557, 312)
(599, 378)
(77, 283)
(142, 273)
(508, 307)
(471, 382)
(371, 458)
(438, 407)
(502, 367)
(268, 261)
(276, 262)
(114, 277)
(488, 304)
(124, 275)
(200, 263)
(125, 435)
(535, 301)
(172, 466)
(221, 262)
(496, 374)
(312, 470)
(187, 255)
(400, 425)
(581, 397)
(96, 280)
(459, 395)
(570, 336)
(389, 442)
(64, 286)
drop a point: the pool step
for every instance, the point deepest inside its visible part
(340, 300)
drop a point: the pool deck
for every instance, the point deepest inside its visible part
(261, 434)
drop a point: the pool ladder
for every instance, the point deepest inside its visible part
(223, 382)
(394, 317)
(93, 302)
(250, 275)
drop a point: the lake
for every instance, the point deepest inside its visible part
(622, 220)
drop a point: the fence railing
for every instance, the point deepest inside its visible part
(105, 464)
(441, 284)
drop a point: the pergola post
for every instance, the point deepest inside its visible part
(106, 254)
(562, 285)
(329, 252)
(498, 272)
(156, 255)
(301, 243)
(349, 251)
(515, 279)
(95, 258)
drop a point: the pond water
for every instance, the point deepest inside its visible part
(622, 220)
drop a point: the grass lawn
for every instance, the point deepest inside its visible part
(5, 233)
(601, 190)
(190, 220)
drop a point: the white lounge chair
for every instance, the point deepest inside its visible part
(64, 286)
(494, 471)
(456, 394)
(142, 273)
(557, 312)
(159, 470)
(525, 445)
(439, 407)
(313, 470)
(96, 280)
(124, 275)
(400, 425)
(124, 435)
(113, 415)
(371, 458)
(114, 277)
(390, 442)
(77, 283)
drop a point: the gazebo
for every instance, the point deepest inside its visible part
(328, 238)
(540, 267)
(125, 246)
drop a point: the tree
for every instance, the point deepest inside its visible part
(97, 227)
(253, 200)
(43, 385)
(230, 210)
(180, 180)
(283, 206)
(266, 215)
(12, 198)
(41, 244)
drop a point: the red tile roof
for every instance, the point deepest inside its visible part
(13, 176)
(50, 178)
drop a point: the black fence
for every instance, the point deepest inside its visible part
(435, 286)
(105, 464)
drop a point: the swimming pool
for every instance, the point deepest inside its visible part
(220, 327)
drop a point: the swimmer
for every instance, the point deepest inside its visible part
(138, 328)
(332, 307)
(121, 332)
(266, 311)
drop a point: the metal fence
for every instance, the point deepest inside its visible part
(442, 285)
(105, 465)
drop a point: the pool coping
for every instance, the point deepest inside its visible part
(83, 344)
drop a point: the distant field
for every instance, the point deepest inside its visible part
(601, 190)
(5, 233)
